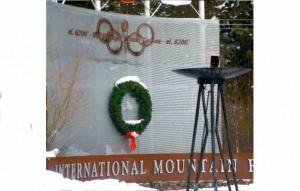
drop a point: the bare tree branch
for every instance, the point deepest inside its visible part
(63, 98)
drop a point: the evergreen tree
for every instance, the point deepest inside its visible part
(236, 50)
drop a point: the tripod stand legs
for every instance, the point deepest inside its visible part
(203, 142)
(219, 140)
(214, 133)
(194, 136)
(212, 118)
(227, 137)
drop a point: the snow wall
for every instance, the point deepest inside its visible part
(149, 48)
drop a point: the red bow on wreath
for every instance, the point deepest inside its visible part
(132, 135)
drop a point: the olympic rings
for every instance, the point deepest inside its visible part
(152, 34)
(111, 36)
(114, 35)
(138, 53)
(104, 40)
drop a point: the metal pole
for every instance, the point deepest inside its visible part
(218, 138)
(202, 31)
(228, 138)
(194, 136)
(204, 138)
(212, 118)
(202, 9)
(147, 8)
(98, 5)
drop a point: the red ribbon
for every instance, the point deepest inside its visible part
(132, 135)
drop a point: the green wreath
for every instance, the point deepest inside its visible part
(143, 98)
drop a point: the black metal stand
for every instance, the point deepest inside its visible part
(214, 133)
(211, 76)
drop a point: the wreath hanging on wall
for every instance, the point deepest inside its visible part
(130, 128)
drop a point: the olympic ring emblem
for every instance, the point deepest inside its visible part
(124, 39)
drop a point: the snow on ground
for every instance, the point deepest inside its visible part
(56, 182)
(241, 188)
(52, 153)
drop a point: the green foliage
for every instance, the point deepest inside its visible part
(143, 98)
(236, 50)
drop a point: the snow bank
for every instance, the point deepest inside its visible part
(55, 182)
(130, 78)
(53, 153)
